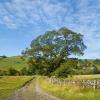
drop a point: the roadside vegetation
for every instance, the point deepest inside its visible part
(8, 84)
(95, 76)
(69, 92)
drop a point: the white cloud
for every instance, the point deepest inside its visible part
(83, 16)
(9, 22)
(34, 12)
(39, 12)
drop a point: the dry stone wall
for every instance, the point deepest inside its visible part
(84, 83)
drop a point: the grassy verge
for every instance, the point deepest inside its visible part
(10, 83)
(96, 76)
(69, 92)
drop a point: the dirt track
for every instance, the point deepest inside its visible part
(31, 91)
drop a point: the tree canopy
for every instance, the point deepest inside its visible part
(55, 46)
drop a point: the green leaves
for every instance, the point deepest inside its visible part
(56, 46)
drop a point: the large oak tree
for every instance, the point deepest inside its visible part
(55, 46)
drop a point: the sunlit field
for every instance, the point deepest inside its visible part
(8, 84)
(95, 76)
(69, 92)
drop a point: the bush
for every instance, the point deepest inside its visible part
(3, 72)
(63, 71)
(24, 71)
(13, 71)
(22, 58)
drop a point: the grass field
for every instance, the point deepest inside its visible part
(95, 76)
(10, 83)
(16, 62)
(69, 92)
(19, 62)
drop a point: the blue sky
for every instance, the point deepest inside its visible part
(23, 20)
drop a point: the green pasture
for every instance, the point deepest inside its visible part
(16, 62)
(8, 84)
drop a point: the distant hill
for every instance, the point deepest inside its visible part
(95, 62)
(16, 62)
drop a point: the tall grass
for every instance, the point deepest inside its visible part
(69, 92)
(96, 76)
(10, 83)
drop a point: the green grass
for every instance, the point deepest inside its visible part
(95, 76)
(8, 84)
(69, 92)
(13, 62)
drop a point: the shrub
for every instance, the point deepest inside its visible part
(63, 71)
(13, 71)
